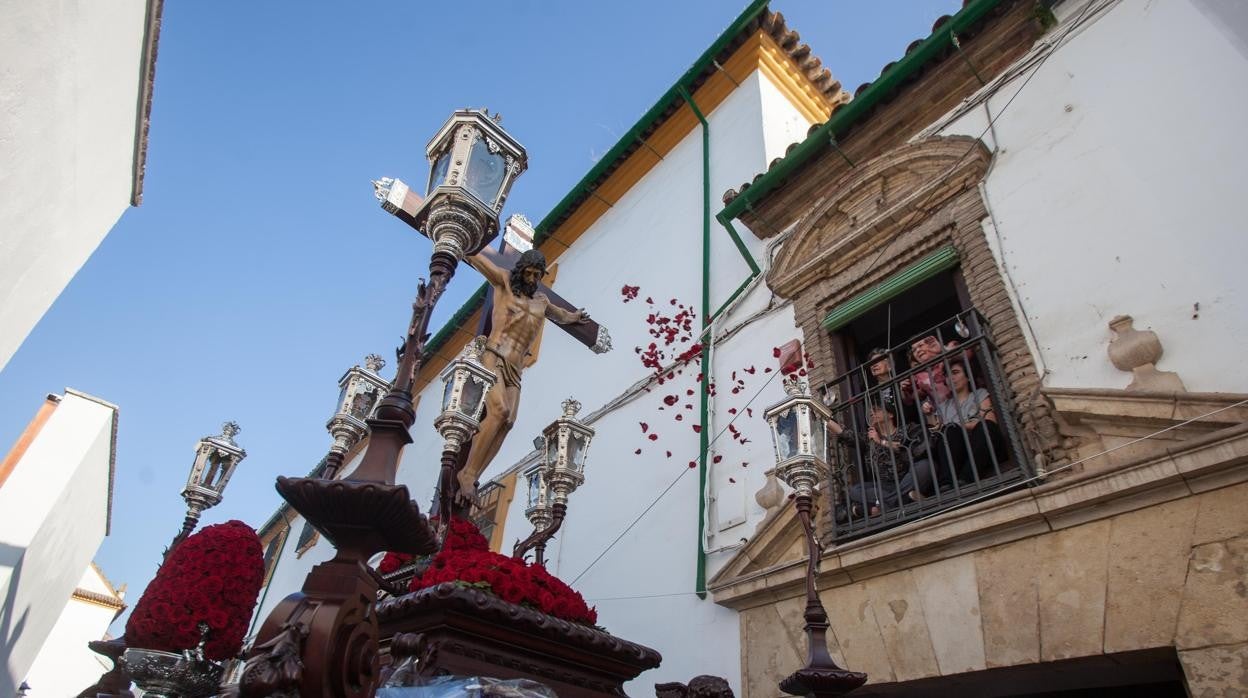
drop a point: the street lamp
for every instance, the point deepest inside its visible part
(216, 457)
(799, 431)
(473, 163)
(467, 382)
(360, 391)
(564, 446)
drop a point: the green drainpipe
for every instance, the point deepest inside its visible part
(704, 436)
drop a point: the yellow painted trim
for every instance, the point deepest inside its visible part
(792, 82)
(759, 52)
(498, 536)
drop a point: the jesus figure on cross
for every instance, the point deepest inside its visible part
(516, 319)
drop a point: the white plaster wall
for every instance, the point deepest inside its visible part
(53, 511)
(68, 107)
(652, 237)
(1117, 190)
(65, 665)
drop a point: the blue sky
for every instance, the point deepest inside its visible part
(259, 266)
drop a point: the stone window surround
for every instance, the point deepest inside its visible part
(913, 199)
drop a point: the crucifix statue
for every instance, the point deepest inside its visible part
(511, 322)
(519, 308)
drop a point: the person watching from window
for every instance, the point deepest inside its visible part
(893, 462)
(968, 424)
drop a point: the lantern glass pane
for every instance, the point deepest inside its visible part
(786, 434)
(485, 172)
(474, 391)
(342, 398)
(552, 451)
(362, 402)
(577, 447)
(438, 173)
(819, 438)
(448, 391)
(535, 489)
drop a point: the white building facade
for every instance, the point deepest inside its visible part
(65, 665)
(55, 508)
(1103, 187)
(75, 97)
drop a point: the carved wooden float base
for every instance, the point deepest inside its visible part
(451, 629)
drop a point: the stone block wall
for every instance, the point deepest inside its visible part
(1170, 575)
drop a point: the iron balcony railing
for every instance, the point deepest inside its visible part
(920, 440)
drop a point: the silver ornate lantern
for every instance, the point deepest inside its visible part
(564, 446)
(216, 457)
(799, 432)
(473, 163)
(360, 389)
(567, 446)
(463, 399)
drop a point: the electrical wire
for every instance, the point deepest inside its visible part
(683, 472)
(991, 123)
(1076, 22)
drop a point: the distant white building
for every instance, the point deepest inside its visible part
(75, 97)
(55, 507)
(65, 665)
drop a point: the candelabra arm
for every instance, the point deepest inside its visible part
(821, 677)
(395, 413)
(539, 538)
(188, 525)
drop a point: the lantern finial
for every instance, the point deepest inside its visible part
(571, 407)
(229, 430)
(374, 363)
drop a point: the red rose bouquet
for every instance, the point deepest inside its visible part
(465, 558)
(213, 577)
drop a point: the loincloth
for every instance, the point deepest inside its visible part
(506, 369)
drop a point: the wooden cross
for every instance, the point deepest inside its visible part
(398, 199)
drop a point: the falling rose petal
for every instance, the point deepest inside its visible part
(693, 464)
(749, 412)
(767, 370)
(637, 452)
(660, 408)
(673, 301)
(653, 437)
(689, 391)
(746, 464)
(735, 391)
(750, 370)
(732, 410)
(697, 428)
(679, 417)
(669, 454)
(734, 375)
(775, 352)
(732, 480)
(688, 406)
(649, 300)
(670, 400)
(717, 459)
(744, 441)
(644, 427)
(801, 372)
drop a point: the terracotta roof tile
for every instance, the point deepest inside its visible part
(792, 39)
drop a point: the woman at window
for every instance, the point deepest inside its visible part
(892, 458)
(971, 435)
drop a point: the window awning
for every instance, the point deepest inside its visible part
(941, 260)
